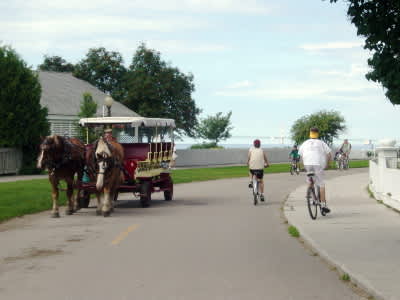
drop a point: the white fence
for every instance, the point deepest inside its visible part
(384, 176)
(215, 157)
(10, 160)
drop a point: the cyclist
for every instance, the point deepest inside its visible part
(346, 148)
(294, 156)
(257, 161)
(316, 155)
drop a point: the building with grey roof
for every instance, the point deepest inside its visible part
(62, 94)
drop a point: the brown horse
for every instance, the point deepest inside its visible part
(108, 159)
(63, 158)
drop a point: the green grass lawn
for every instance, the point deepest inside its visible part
(31, 196)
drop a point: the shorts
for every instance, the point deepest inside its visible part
(319, 175)
(259, 173)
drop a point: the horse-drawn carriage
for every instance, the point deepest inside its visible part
(148, 148)
(132, 154)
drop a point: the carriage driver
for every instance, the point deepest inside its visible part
(257, 160)
(108, 135)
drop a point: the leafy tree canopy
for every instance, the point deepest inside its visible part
(88, 109)
(156, 89)
(23, 120)
(88, 106)
(56, 64)
(379, 22)
(103, 69)
(215, 128)
(329, 123)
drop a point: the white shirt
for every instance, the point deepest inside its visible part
(314, 152)
(256, 161)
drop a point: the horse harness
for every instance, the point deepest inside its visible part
(52, 165)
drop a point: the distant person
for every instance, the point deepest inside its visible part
(173, 158)
(316, 155)
(294, 156)
(257, 161)
(346, 148)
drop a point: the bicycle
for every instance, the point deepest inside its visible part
(256, 190)
(294, 168)
(340, 161)
(313, 198)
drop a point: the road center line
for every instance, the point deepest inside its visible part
(124, 234)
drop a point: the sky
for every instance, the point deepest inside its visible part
(269, 62)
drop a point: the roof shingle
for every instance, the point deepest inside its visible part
(62, 94)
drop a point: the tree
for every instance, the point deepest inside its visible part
(329, 123)
(215, 128)
(56, 64)
(88, 109)
(156, 89)
(379, 22)
(103, 69)
(23, 120)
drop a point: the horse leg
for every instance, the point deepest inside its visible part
(54, 197)
(78, 191)
(70, 192)
(99, 203)
(107, 202)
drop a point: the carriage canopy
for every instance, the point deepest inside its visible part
(132, 121)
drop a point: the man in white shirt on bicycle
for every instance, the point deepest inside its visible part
(257, 161)
(316, 155)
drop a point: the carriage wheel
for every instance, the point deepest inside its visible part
(84, 199)
(169, 193)
(145, 193)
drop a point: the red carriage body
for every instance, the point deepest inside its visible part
(148, 147)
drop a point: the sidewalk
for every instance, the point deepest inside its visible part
(21, 177)
(360, 236)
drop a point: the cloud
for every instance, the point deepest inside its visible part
(356, 70)
(348, 85)
(331, 46)
(198, 6)
(86, 25)
(240, 84)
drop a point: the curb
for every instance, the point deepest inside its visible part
(355, 278)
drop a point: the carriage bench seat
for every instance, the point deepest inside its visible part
(137, 151)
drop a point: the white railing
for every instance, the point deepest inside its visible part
(10, 160)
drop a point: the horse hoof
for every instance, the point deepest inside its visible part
(106, 213)
(55, 215)
(69, 212)
(98, 212)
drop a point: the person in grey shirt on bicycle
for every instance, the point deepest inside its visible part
(316, 155)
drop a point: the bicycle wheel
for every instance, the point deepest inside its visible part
(291, 169)
(312, 203)
(255, 191)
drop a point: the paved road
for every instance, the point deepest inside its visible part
(209, 243)
(368, 233)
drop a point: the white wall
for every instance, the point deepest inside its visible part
(384, 178)
(10, 160)
(210, 157)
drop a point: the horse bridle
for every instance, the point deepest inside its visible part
(109, 162)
